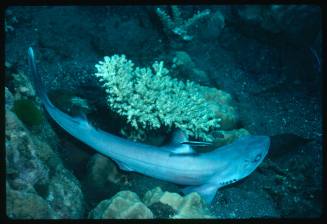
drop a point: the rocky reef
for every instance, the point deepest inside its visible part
(156, 204)
(37, 183)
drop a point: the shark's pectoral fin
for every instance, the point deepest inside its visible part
(178, 137)
(207, 191)
(123, 166)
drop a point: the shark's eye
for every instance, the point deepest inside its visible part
(257, 158)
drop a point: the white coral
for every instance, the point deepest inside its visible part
(150, 98)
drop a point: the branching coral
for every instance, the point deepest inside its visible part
(177, 25)
(150, 99)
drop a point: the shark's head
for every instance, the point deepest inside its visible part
(254, 151)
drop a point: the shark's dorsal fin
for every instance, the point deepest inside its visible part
(182, 146)
(177, 142)
(178, 137)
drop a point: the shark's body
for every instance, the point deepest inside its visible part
(203, 172)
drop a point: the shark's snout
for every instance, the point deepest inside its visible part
(254, 153)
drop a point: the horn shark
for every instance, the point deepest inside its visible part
(175, 162)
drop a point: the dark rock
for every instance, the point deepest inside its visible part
(286, 143)
(186, 68)
(162, 211)
(103, 179)
(188, 206)
(212, 28)
(297, 24)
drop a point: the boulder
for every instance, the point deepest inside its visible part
(124, 205)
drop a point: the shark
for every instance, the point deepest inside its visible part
(176, 162)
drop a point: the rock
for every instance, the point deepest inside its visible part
(21, 153)
(299, 24)
(182, 59)
(162, 211)
(250, 14)
(27, 205)
(172, 199)
(184, 65)
(23, 86)
(199, 76)
(193, 207)
(103, 179)
(124, 205)
(222, 104)
(75, 156)
(65, 195)
(227, 113)
(9, 99)
(213, 27)
(24, 204)
(102, 170)
(37, 176)
(47, 155)
(230, 136)
(189, 206)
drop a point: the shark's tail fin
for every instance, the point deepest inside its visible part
(38, 85)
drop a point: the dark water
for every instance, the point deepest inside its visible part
(218, 72)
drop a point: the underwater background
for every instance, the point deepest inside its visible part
(247, 69)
